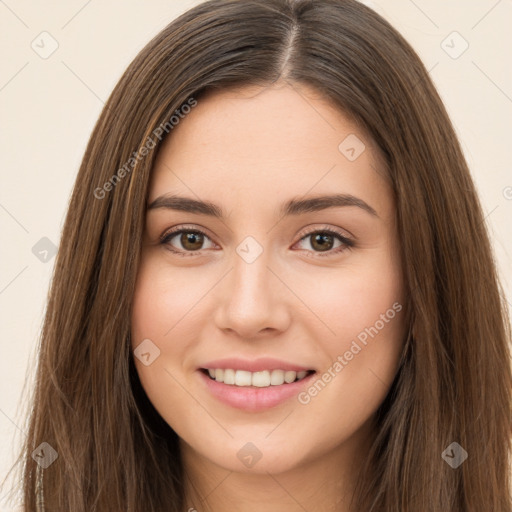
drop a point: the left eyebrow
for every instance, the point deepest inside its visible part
(294, 206)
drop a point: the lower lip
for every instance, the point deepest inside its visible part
(251, 398)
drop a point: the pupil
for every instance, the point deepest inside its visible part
(323, 244)
(189, 239)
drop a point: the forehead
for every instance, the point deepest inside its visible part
(259, 143)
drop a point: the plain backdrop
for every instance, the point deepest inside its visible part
(49, 103)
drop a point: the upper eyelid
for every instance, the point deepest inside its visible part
(177, 229)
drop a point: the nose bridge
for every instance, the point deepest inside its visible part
(251, 277)
(251, 299)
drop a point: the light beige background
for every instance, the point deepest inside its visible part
(48, 107)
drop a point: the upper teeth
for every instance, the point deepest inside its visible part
(261, 379)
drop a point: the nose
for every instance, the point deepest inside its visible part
(253, 300)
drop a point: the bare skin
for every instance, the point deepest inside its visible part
(249, 151)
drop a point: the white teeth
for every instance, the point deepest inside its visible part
(242, 378)
(229, 377)
(260, 379)
(290, 376)
(277, 378)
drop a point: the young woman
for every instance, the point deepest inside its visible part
(274, 289)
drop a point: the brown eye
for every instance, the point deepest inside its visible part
(191, 241)
(188, 240)
(322, 242)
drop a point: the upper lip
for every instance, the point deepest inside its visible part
(255, 365)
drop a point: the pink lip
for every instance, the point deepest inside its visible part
(257, 365)
(251, 398)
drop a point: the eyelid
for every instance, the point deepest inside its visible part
(183, 227)
(343, 233)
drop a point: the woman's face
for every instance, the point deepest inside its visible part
(276, 282)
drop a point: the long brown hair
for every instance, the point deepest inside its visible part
(454, 383)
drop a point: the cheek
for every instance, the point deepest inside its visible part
(147, 316)
(162, 300)
(165, 310)
(367, 295)
(364, 311)
(155, 316)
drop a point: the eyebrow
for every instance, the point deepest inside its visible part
(295, 206)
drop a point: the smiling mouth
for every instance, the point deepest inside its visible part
(262, 379)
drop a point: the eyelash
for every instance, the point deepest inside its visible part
(169, 235)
